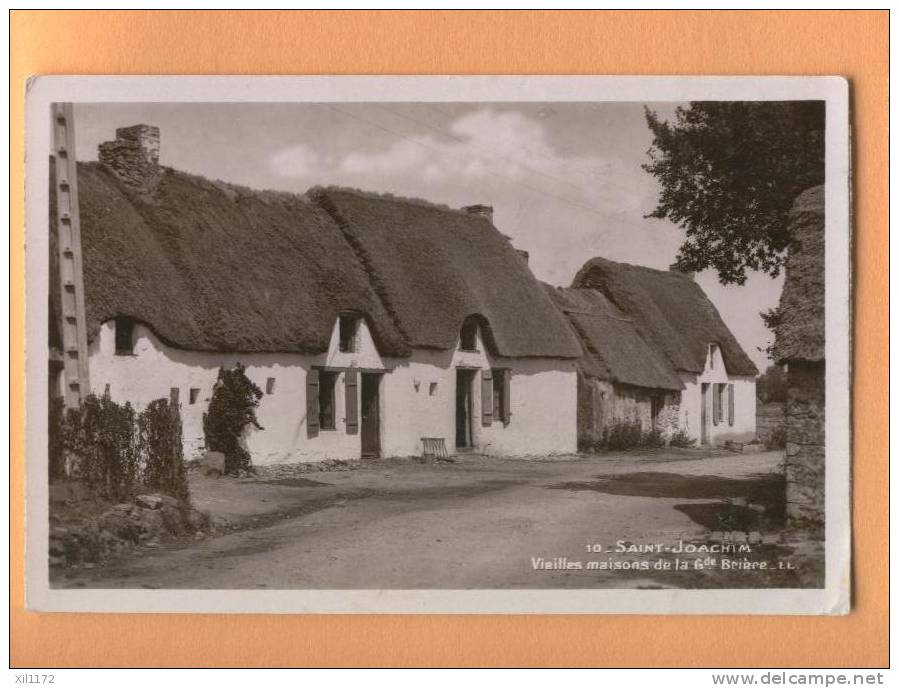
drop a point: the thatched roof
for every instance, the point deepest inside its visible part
(216, 267)
(799, 334)
(433, 267)
(669, 311)
(612, 348)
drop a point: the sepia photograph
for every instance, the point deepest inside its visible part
(440, 347)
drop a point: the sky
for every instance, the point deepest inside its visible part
(564, 179)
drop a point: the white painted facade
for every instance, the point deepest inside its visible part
(743, 427)
(417, 396)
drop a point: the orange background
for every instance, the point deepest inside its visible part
(849, 43)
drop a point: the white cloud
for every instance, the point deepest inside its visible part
(503, 147)
(296, 161)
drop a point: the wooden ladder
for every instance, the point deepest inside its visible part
(68, 232)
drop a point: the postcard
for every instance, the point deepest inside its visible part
(438, 345)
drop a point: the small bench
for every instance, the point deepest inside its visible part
(434, 447)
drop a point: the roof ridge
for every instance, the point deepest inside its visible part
(387, 196)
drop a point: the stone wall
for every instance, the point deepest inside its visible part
(602, 404)
(804, 420)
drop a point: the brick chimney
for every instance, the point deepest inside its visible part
(485, 211)
(134, 156)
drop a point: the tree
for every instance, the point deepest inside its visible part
(729, 173)
(232, 410)
(771, 386)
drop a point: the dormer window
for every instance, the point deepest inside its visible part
(468, 337)
(124, 336)
(349, 327)
(713, 351)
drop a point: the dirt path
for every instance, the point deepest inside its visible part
(480, 523)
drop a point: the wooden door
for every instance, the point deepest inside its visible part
(371, 416)
(464, 380)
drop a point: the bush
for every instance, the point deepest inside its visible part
(232, 410)
(116, 452)
(652, 439)
(681, 439)
(162, 451)
(56, 453)
(625, 435)
(100, 433)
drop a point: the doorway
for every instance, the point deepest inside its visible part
(704, 415)
(371, 416)
(464, 385)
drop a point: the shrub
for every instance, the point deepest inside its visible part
(100, 433)
(232, 410)
(652, 439)
(622, 435)
(681, 439)
(117, 452)
(161, 448)
(56, 453)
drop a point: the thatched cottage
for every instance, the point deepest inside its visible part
(656, 352)
(371, 323)
(799, 345)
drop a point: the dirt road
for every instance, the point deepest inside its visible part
(477, 523)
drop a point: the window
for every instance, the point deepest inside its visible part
(498, 394)
(270, 386)
(432, 388)
(499, 408)
(327, 381)
(713, 349)
(718, 403)
(468, 337)
(348, 326)
(194, 395)
(124, 336)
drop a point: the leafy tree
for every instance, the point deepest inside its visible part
(232, 410)
(729, 173)
(771, 386)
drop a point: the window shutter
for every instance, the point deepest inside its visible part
(730, 404)
(351, 377)
(486, 397)
(312, 402)
(716, 404)
(507, 396)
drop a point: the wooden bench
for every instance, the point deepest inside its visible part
(434, 447)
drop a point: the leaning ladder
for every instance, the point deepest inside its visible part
(68, 232)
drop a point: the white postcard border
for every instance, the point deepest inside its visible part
(834, 598)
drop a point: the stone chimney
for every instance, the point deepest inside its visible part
(485, 211)
(134, 156)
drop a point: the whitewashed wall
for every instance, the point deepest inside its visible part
(543, 397)
(543, 394)
(743, 429)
